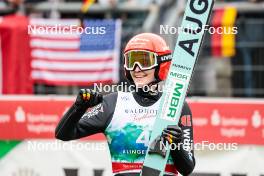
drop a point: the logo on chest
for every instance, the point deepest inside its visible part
(140, 114)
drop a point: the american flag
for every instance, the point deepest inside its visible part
(63, 53)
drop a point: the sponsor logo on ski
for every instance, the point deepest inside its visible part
(172, 100)
(181, 66)
(179, 75)
(197, 8)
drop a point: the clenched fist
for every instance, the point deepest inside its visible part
(88, 98)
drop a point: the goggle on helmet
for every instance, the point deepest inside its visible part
(147, 51)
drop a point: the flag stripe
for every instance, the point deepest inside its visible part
(78, 83)
(38, 53)
(96, 60)
(57, 49)
(55, 44)
(75, 71)
(228, 39)
(86, 5)
(54, 22)
(58, 28)
(56, 37)
(82, 77)
(70, 66)
(216, 38)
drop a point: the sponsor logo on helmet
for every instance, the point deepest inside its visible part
(165, 48)
(139, 40)
(166, 58)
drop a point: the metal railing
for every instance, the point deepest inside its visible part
(241, 75)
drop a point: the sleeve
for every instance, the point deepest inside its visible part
(77, 122)
(183, 156)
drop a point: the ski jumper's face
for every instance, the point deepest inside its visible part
(142, 77)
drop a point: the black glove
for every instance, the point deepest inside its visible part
(173, 134)
(88, 98)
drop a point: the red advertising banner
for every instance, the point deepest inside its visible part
(33, 117)
(228, 120)
(215, 120)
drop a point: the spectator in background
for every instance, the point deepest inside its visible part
(11, 6)
(14, 5)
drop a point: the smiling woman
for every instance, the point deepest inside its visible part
(142, 77)
(126, 118)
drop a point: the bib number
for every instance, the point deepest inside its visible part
(143, 138)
